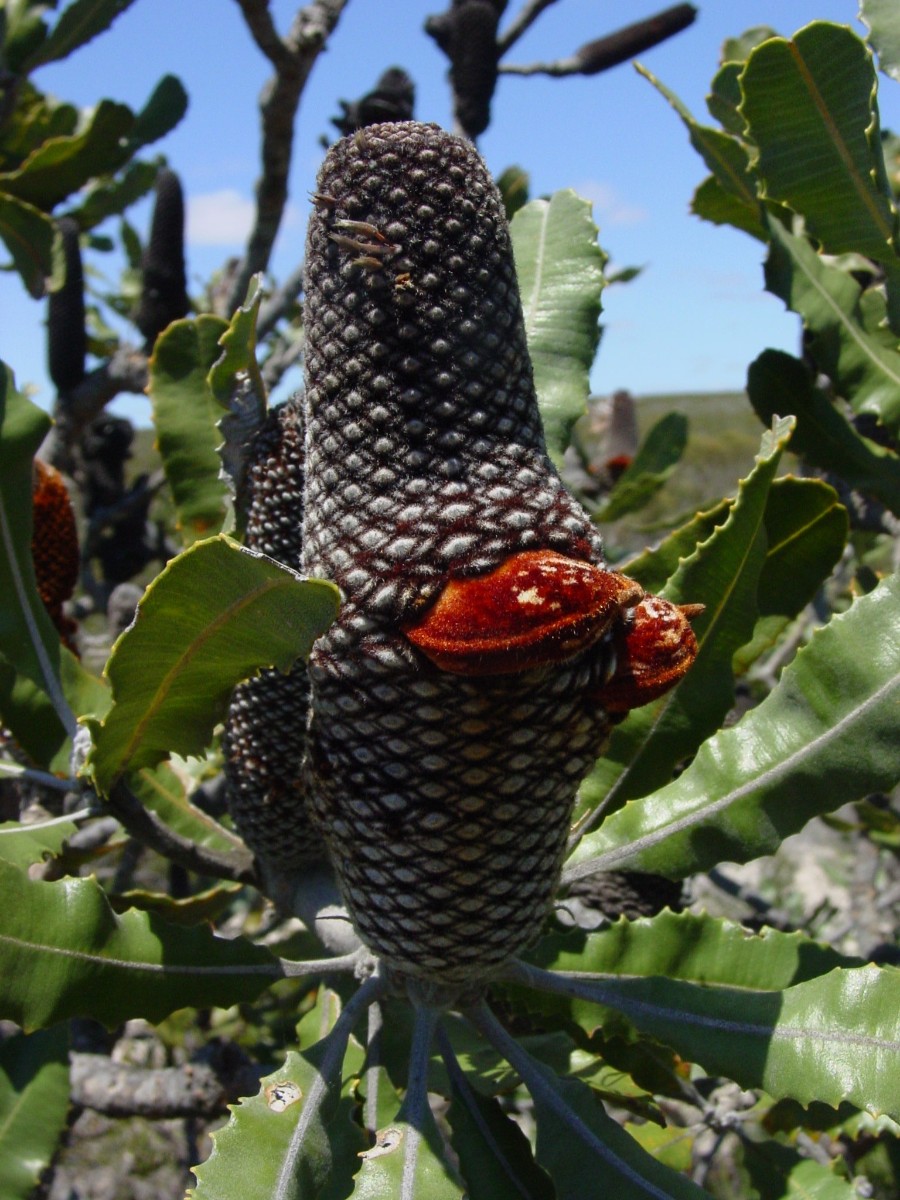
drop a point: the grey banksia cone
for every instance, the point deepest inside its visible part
(482, 651)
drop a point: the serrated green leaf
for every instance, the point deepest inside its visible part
(655, 460)
(864, 367)
(216, 614)
(716, 204)
(560, 271)
(79, 21)
(653, 567)
(883, 21)
(389, 1174)
(62, 165)
(825, 735)
(238, 350)
(494, 1154)
(167, 105)
(296, 1148)
(64, 952)
(809, 104)
(778, 1170)
(110, 196)
(21, 845)
(34, 1105)
(806, 530)
(694, 947)
(579, 1144)
(34, 245)
(737, 49)
(729, 160)
(830, 1039)
(184, 416)
(197, 909)
(723, 573)
(778, 382)
(725, 97)
(161, 791)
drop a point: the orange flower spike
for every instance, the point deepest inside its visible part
(538, 607)
(655, 647)
(54, 545)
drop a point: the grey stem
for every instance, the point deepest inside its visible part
(329, 1072)
(415, 1110)
(373, 1064)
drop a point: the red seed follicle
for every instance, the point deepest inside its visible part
(540, 607)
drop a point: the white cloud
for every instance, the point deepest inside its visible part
(609, 207)
(222, 218)
(225, 218)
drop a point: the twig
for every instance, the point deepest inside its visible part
(617, 48)
(293, 58)
(126, 371)
(523, 22)
(262, 28)
(44, 778)
(273, 309)
(197, 1089)
(141, 823)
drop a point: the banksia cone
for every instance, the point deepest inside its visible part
(467, 33)
(66, 334)
(391, 99)
(460, 697)
(624, 44)
(164, 296)
(54, 546)
(265, 734)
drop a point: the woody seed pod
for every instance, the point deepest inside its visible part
(444, 746)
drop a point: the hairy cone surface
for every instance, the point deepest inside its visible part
(444, 800)
(442, 727)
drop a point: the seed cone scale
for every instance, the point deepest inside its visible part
(443, 790)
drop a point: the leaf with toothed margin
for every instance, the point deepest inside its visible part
(723, 573)
(393, 1171)
(215, 615)
(64, 952)
(34, 1107)
(23, 845)
(184, 416)
(883, 20)
(579, 1144)
(494, 1154)
(300, 1127)
(560, 270)
(824, 736)
(237, 385)
(832, 1039)
(691, 947)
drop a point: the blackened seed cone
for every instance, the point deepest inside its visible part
(444, 800)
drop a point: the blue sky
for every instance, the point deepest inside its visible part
(692, 321)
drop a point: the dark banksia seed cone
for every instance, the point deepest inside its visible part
(265, 733)
(164, 296)
(444, 799)
(461, 696)
(66, 333)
